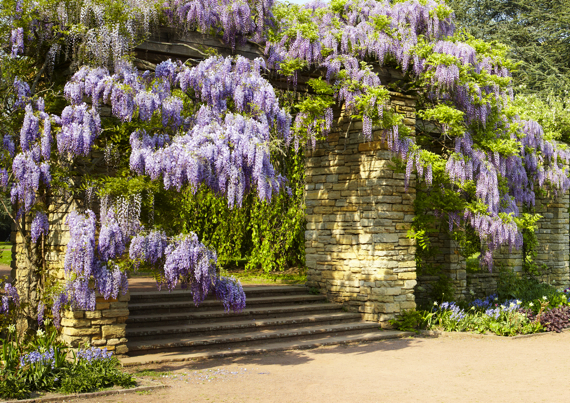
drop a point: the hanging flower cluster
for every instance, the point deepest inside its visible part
(10, 295)
(40, 226)
(237, 20)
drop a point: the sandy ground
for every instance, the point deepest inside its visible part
(445, 369)
(4, 270)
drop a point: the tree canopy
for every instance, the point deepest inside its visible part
(537, 33)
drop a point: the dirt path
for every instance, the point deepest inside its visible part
(446, 369)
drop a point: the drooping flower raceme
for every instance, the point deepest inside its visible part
(230, 292)
(40, 225)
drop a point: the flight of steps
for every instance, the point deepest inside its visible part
(163, 326)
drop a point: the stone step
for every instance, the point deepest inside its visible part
(203, 317)
(245, 339)
(165, 307)
(184, 295)
(270, 346)
(142, 333)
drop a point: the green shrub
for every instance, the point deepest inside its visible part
(443, 289)
(411, 321)
(510, 286)
(41, 364)
(88, 376)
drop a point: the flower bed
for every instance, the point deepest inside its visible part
(503, 317)
(38, 362)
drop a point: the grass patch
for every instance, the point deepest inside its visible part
(291, 276)
(5, 257)
(5, 253)
(152, 374)
(472, 263)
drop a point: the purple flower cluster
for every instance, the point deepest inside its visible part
(457, 313)
(149, 249)
(39, 357)
(22, 90)
(80, 255)
(238, 20)
(8, 145)
(484, 303)
(10, 294)
(112, 240)
(80, 127)
(505, 307)
(94, 354)
(59, 301)
(40, 225)
(189, 262)
(82, 260)
(230, 292)
(17, 41)
(41, 310)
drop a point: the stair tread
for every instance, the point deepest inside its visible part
(247, 311)
(250, 289)
(252, 301)
(150, 343)
(270, 346)
(239, 324)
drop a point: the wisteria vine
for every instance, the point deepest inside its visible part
(214, 123)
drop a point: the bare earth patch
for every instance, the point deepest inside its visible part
(454, 368)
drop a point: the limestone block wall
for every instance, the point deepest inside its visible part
(480, 285)
(103, 327)
(358, 214)
(552, 233)
(552, 257)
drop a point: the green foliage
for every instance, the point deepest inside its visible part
(442, 289)
(87, 377)
(507, 323)
(58, 373)
(509, 286)
(411, 320)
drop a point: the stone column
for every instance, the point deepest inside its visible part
(103, 327)
(552, 234)
(358, 214)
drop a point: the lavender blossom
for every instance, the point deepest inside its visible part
(40, 226)
(17, 41)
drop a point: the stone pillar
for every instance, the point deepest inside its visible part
(358, 214)
(103, 327)
(552, 234)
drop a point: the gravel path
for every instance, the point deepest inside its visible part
(454, 368)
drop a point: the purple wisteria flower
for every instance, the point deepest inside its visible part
(17, 41)
(40, 226)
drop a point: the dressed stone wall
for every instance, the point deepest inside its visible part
(358, 214)
(552, 257)
(552, 233)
